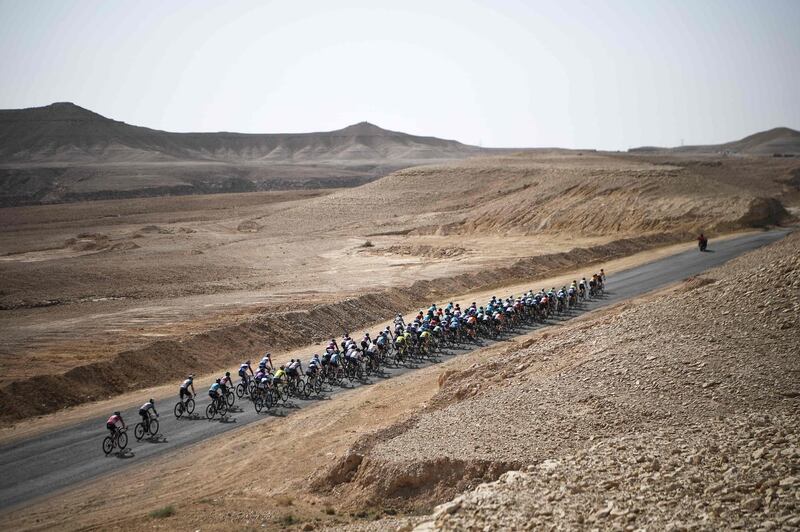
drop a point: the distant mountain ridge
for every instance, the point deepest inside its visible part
(776, 141)
(65, 132)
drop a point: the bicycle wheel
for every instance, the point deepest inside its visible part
(230, 398)
(258, 403)
(306, 390)
(108, 445)
(138, 431)
(210, 411)
(222, 408)
(178, 410)
(122, 440)
(240, 390)
(189, 406)
(153, 427)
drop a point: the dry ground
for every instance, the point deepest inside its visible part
(88, 283)
(674, 410)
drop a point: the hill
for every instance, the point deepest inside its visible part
(63, 152)
(535, 193)
(65, 132)
(777, 141)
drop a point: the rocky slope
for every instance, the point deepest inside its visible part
(678, 412)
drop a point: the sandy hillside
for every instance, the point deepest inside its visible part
(677, 412)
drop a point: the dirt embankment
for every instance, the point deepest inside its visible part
(679, 411)
(167, 360)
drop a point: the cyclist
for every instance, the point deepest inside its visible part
(279, 375)
(224, 382)
(115, 422)
(243, 369)
(144, 411)
(294, 369)
(184, 390)
(215, 392)
(314, 365)
(266, 362)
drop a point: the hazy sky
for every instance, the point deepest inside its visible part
(501, 73)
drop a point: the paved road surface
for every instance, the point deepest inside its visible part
(40, 466)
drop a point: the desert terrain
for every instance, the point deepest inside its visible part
(86, 284)
(102, 301)
(646, 414)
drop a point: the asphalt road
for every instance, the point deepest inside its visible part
(37, 467)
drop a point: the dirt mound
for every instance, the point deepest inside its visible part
(679, 411)
(248, 226)
(432, 252)
(167, 360)
(358, 482)
(88, 242)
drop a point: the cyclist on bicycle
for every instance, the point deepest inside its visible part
(144, 411)
(279, 375)
(266, 362)
(294, 369)
(115, 422)
(314, 365)
(243, 369)
(185, 389)
(215, 392)
(224, 382)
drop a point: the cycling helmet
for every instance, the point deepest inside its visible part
(190, 377)
(152, 400)
(283, 367)
(247, 362)
(227, 373)
(117, 413)
(218, 381)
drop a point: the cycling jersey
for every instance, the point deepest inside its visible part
(186, 384)
(279, 374)
(114, 420)
(147, 406)
(214, 390)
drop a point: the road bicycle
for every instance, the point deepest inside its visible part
(152, 428)
(217, 406)
(184, 407)
(119, 440)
